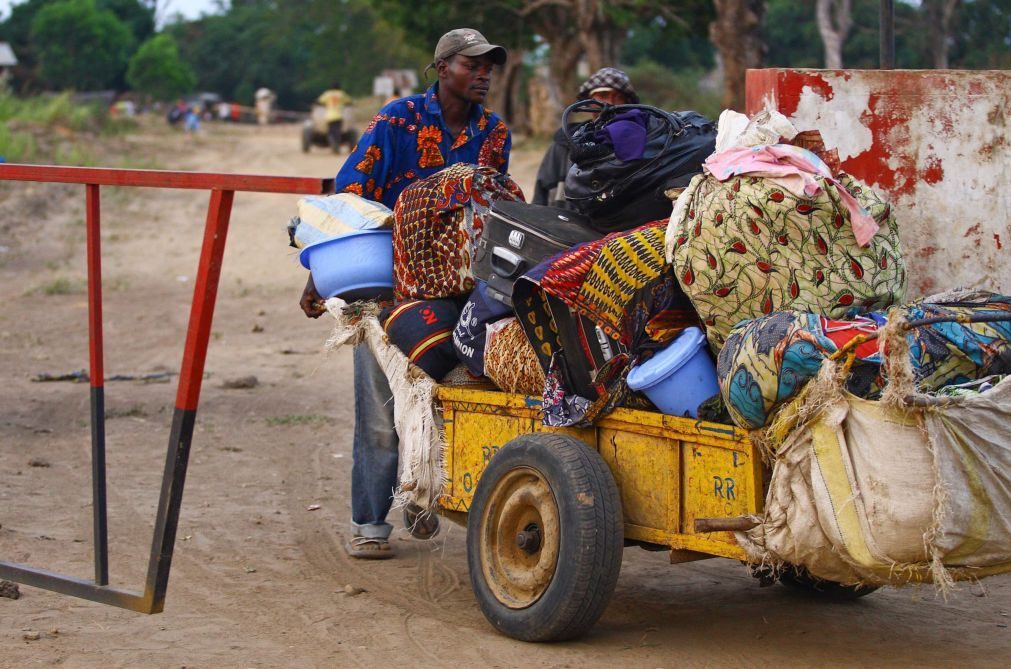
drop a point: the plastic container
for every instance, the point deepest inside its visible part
(679, 377)
(353, 266)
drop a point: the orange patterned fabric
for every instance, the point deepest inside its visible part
(438, 222)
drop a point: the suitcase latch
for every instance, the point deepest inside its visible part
(516, 239)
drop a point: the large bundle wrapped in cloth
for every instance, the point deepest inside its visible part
(748, 245)
(767, 361)
(438, 222)
(911, 488)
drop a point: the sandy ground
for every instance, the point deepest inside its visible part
(258, 579)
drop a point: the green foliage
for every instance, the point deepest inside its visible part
(50, 111)
(27, 126)
(80, 46)
(983, 35)
(156, 70)
(136, 16)
(791, 34)
(16, 30)
(295, 48)
(659, 86)
(677, 44)
(17, 146)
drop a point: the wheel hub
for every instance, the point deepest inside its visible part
(529, 539)
(520, 538)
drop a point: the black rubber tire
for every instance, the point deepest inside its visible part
(798, 578)
(590, 543)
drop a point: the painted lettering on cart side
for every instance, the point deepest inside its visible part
(487, 453)
(723, 487)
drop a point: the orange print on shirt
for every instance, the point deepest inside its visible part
(373, 154)
(428, 147)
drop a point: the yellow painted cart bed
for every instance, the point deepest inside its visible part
(549, 510)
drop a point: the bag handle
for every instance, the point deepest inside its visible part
(605, 112)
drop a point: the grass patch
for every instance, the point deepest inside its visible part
(62, 286)
(296, 419)
(135, 411)
(53, 128)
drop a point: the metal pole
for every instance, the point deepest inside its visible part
(886, 44)
(97, 367)
(191, 373)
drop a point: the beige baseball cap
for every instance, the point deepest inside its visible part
(468, 42)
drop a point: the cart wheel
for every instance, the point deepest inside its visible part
(544, 538)
(798, 578)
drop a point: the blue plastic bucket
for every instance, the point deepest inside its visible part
(354, 266)
(679, 377)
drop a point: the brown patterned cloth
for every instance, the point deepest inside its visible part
(510, 361)
(438, 221)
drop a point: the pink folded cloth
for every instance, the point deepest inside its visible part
(795, 169)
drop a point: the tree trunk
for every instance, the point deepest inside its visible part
(737, 35)
(600, 39)
(835, 18)
(504, 93)
(938, 15)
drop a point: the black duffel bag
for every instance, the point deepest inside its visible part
(621, 195)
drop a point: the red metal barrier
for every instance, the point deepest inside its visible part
(222, 188)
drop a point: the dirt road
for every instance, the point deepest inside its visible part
(258, 579)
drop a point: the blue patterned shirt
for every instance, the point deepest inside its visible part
(408, 140)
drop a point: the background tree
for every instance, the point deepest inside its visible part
(79, 46)
(939, 15)
(137, 15)
(16, 30)
(791, 33)
(981, 31)
(835, 18)
(736, 32)
(296, 48)
(156, 70)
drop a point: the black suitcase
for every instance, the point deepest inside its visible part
(518, 236)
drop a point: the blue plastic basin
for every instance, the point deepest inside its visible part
(354, 266)
(679, 377)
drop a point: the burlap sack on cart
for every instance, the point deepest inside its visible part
(422, 472)
(886, 494)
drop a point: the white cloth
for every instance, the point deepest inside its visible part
(422, 473)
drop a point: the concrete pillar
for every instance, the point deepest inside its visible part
(936, 141)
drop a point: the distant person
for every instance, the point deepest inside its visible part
(192, 119)
(396, 95)
(609, 85)
(334, 99)
(264, 105)
(176, 113)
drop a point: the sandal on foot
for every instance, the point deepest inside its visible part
(369, 548)
(421, 524)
